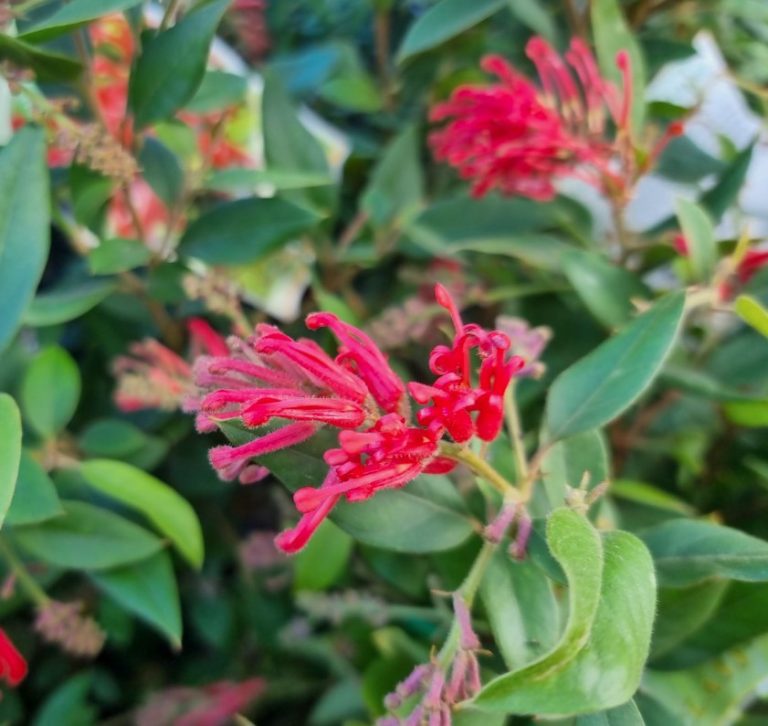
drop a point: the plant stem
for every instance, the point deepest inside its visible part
(482, 469)
(515, 432)
(28, 583)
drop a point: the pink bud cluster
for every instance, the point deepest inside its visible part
(295, 388)
(519, 137)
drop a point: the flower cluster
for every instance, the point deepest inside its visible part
(295, 388)
(519, 138)
(64, 624)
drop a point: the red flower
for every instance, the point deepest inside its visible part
(273, 377)
(519, 138)
(13, 667)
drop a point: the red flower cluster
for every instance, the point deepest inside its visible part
(272, 376)
(517, 137)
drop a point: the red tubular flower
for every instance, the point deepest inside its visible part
(13, 667)
(519, 138)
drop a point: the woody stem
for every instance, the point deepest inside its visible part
(28, 583)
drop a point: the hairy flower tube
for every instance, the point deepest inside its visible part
(287, 389)
(520, 138)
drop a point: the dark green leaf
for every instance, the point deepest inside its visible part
(355, 92)
(218, 91)
(24, 226)
(172, 65)
(324, 560)
(245, 230)
(162, 170)
(71, 15)
(68, 704)
(532, 14)
(111, 438)
(148, 589)
(48, 66)
(87, 538)
(50, 391)
(688, 551)
(444, 21)
(10, 451)
(35, 499)
(63, 304)
(719, 198)
(117, 255)
(602, 385)
(682, 160)
(160, 504)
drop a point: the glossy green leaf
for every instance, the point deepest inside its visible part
(687, 551)
(752, 312)
(700, 237)
(117, 255)
(606, 290)
(24, 226)
(218, 91)
(111, 438)
(716, 692)
(396, 186)
(66, 303)
(245, 230)
(87, 538)
(290, 147)
(162, 170)
(602, 385)
(682, 160)
(161, 505)
(10, 451)
(324, 560)
(569, 460)
(50, 391)
(683, 611)
(521, 608)
(443, 21)
(172, 64)
(148, 589)
(73, 14)
(612, 34)
(47, 65)
(605, 671)
(627, 714)
(535, 16)
(35, 499)
(720, 197)
(576, 546)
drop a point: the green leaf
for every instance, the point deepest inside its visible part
(148, 589)
(161, 505)
(682, 160)
(68, 703)
(66, 303)
(355, 92)
(569, 460)
(49, 67)
(162, 170)
(112, 438)
(700, 237)
(687, 551)
(626, 715)
(521, 608)
(232, 180)
(444, 21)
(576, 546)
(650, 496)
(10, 451)
(607, 290)
(289, 147)
(534, 16)
(750, 414)
(602, 385)
(716, 692)
(73, 14)
(35, 499)
(324, 560)
(605, 671)
(24, 226)
(752, 313)
(720, 197)
(50, 391)
(117, 255)
(172, 65)
(396, 186)
(612, 34)
(244, 231)
(87, 538)
(218, 91)
(683, 611)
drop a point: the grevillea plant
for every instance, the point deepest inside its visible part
(392, 362)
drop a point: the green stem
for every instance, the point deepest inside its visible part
(28, 583)
(482, 469)
(515, 432)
